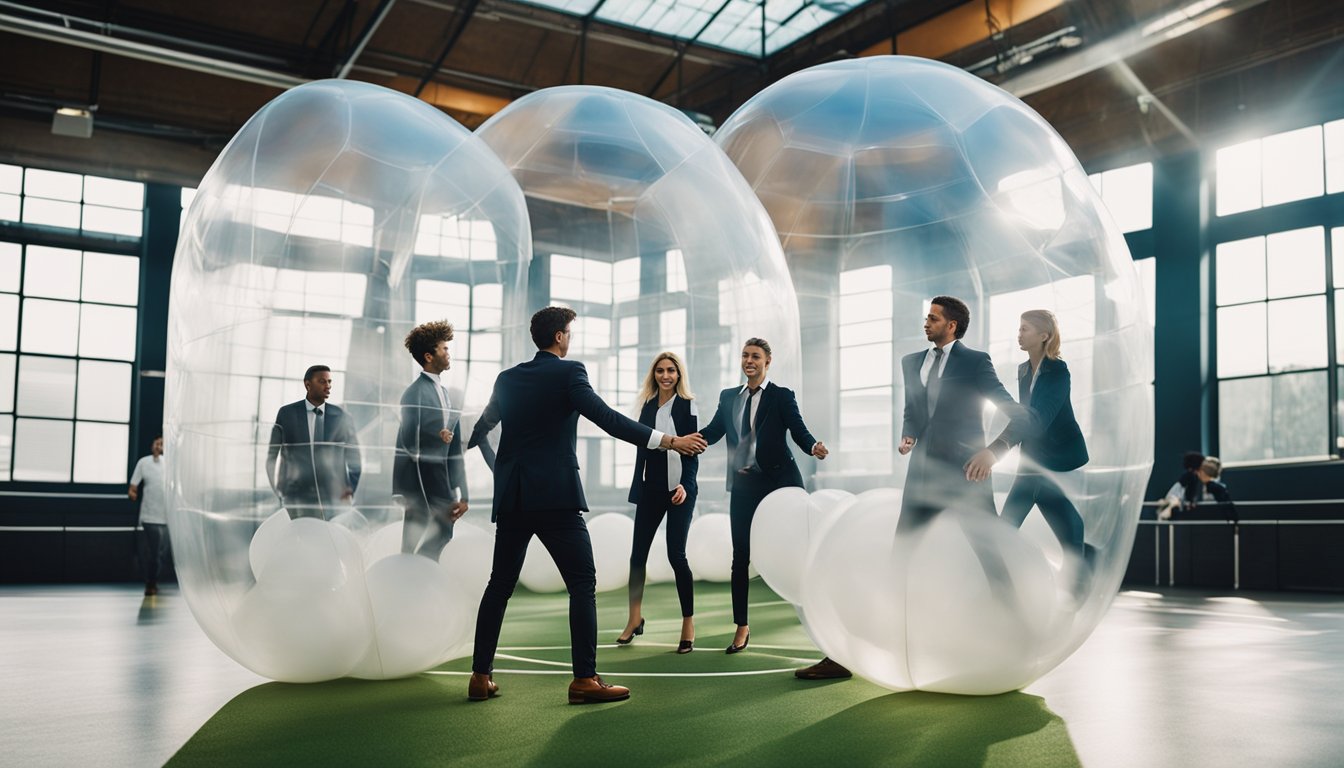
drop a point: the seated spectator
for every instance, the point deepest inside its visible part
(1205, 488)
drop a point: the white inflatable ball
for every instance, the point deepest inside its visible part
(709, 547)
(539, 573)
(311, 556)
(384, 542)
(659, 568)
(418, 615)
(311, 585)
(354, 521)
(263, 540)
(468, 559)
(612, 535)
(779, 540)
(929, 611)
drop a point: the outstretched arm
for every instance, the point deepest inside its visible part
(716, 428)
(793, 421)
(489, 420)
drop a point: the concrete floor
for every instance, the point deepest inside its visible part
(98, 675)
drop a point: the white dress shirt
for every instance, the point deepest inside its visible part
(929, 358)
(662, 422)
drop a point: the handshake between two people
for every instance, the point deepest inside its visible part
(694, 443)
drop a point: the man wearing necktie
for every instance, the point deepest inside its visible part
(756, 418)
(429, 472)
(945, 387)
(313, 460)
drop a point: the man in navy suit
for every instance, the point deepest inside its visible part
(943, 426)
(763, 413)
(429, 472)
(317, 451)
(538, 493)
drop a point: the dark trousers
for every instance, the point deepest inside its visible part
(565, 536)
(748, 490)
(154, 551)
(933, 485)
(1035, 489)
(418, 519)
(656, 502)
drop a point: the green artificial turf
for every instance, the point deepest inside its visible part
(767, 719)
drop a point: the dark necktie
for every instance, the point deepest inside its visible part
(741, 458)
(319, 430)
(935, 379)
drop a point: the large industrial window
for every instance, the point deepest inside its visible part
(866, 366)
(1128, 194)
(1273, 346)
(1289, 166)
(68, 321)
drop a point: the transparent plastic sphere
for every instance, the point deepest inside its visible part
(907, 179)
(643, 225)
(341, 216)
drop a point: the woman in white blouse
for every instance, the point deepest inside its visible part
(664, 484)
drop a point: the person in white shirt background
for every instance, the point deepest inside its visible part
(154, 546)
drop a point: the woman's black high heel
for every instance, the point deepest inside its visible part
(736, 648)
(638, 631)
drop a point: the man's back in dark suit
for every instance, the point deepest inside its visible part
(538, 493)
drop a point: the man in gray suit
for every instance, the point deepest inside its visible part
(429, 472)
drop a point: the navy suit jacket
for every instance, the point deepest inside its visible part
(686, 424)
(539, 403)
(307, 471)
(955, 431)
(426, 468)
(776, 417)
(1050, 435)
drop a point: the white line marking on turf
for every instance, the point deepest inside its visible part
(743, 673)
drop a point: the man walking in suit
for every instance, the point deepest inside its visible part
(318, 453)
(756, 417)
(943, 425)
(538, 493)
(429, 472)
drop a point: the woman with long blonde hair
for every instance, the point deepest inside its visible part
(664, 485)
(1053, 446)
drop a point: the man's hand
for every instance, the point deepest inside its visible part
(446, 435)
(907, 443)
(457, 510)
(688, 445)
(133, 492)
(678, 495)
(348, 494)
(981, 465)
(819, 450)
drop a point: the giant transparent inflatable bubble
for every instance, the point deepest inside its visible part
(644, 227)
(904, 179)
(340, 216)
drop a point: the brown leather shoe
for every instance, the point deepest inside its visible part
(482, 687)
(823, 670)
(591, 690)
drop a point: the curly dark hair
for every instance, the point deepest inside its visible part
(548, 322)
(424, 338)
(954, 309)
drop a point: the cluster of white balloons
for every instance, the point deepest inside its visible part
(339, 598)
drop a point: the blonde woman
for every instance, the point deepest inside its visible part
(1052, 445)
(664, 484)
